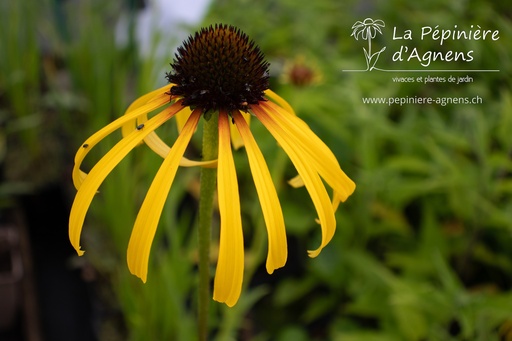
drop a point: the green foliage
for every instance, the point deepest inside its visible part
(19, 113)
(422, 249)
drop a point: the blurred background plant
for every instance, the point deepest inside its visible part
(422, 250)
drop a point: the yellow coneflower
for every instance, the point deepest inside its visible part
(300, 73)
(218, 71)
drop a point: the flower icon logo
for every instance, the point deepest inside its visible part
(367, 30)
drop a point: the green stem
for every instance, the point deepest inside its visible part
(206, 196)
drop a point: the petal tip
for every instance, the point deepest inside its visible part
(273, 265)
(230, 302)
(270, 268)
(314, 253)
(142, 277)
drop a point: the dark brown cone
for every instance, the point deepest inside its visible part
(219, 68)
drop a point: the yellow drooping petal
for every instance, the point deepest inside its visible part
(156, 144)
(182, 117)
(108, 129)
(144, 230)
(279, 100)
(129, 126)
(320, 155)
(99, 172)
(308, 173)
(236, 139)
(271, 208)
(296, 182)
(184, 162)
(230, 265)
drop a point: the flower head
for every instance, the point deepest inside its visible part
(218, 71)
(300, 73)
(219, 68)
(367, 28)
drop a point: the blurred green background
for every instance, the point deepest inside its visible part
(423, 249)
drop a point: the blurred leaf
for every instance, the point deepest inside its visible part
(290, 290)
(364, 336)
(292, 334)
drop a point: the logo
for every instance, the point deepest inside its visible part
(367, 30)
(410, 54)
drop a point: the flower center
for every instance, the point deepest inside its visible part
(219, 68)
(301, 75)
